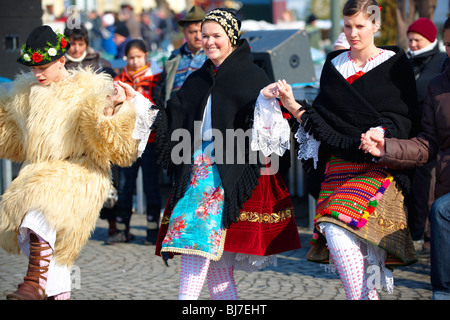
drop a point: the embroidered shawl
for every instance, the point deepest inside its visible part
(385, 96)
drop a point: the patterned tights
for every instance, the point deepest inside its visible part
(220, 274)
(349, 261)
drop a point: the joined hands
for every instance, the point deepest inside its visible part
(122, 92)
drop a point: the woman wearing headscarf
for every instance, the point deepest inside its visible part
(361, 212)
(225, 210)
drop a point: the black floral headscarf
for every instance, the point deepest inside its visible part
(228, 20)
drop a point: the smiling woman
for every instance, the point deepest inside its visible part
(363, 88)
(206, 219)
(216, 43)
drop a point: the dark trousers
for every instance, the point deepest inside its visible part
(127, 187)
(423, 197)
(440, 253)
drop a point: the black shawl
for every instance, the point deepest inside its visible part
(385, 96)
(234, 90)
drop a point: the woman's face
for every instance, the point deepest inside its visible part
(447, 41)
(359, 30)
(77, 48)
(215, 42)
(136, 58)
(50, 72)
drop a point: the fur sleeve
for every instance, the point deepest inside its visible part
(13, 112)
(108, 139)
(10, 138)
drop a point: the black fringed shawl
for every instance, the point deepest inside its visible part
(385, 96)
(234, 90)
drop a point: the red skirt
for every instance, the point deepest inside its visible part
(266, 224)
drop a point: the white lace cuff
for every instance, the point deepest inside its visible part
(271, 132)
(308, 146)
(145, 116)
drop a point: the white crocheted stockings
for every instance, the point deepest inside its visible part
(350, 263)
(220, 274)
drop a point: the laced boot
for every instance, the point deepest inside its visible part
(33, 287)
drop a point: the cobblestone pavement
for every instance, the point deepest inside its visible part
(133, 272)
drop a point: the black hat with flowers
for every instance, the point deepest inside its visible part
(43, 46)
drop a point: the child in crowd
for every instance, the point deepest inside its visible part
(142, 75)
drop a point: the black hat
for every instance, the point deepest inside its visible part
(122, 29)
(43, 46)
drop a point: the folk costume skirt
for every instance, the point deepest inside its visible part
(266, 225)
(365, 200)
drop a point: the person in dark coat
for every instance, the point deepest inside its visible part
(81, 54)
(361, 209)
(433, 142)
(427, 61)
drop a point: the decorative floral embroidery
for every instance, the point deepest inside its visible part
(195, 226)
(175, 229)
(214, 238)
(211, 203)
(274, 217)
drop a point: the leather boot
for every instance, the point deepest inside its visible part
(31, 289)
(112, 227)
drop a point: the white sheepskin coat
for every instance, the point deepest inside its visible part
(67, 145)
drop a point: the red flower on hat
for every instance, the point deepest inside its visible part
(63, 43)
(36, 57)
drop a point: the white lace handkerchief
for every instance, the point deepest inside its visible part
(145, 116)
(271, 132)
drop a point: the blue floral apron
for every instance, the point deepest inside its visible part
(195, 225)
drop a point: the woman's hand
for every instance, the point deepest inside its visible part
(122, 92)
(130, 93)
(271, 91)
(119, 94)
(373, 142)
(286, 95)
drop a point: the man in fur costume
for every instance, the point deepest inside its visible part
(67, 127)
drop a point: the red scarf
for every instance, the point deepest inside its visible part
(138, 80)
(142, 83)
